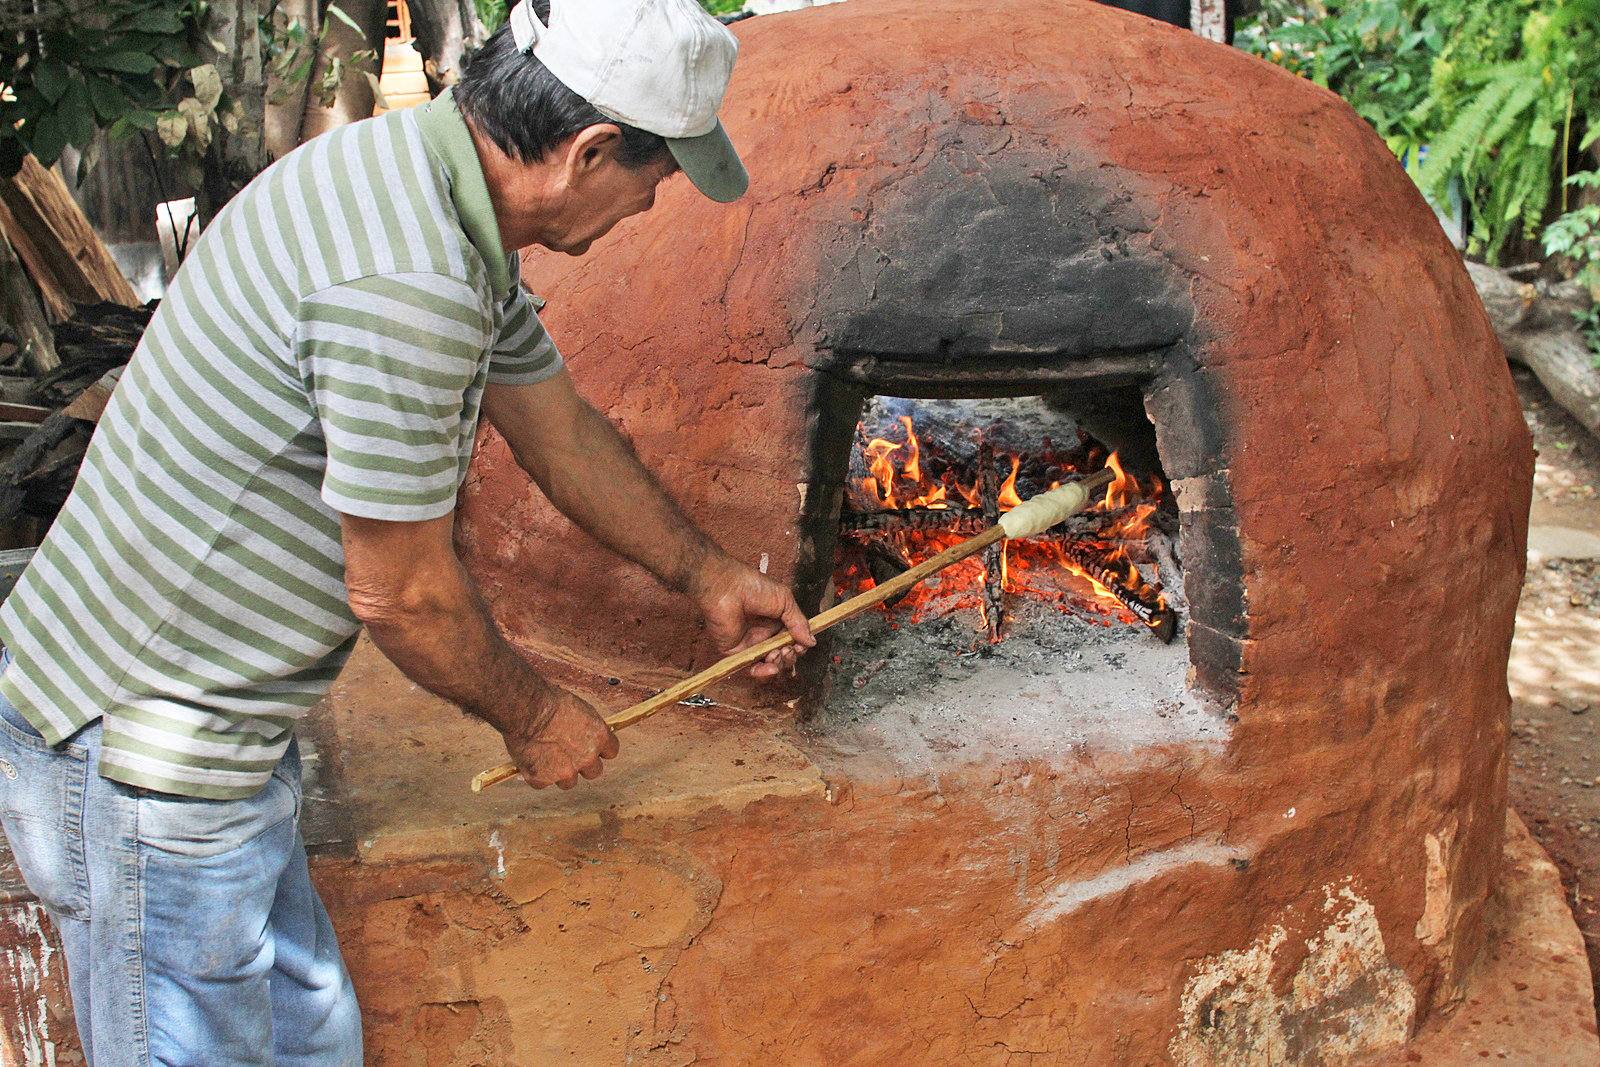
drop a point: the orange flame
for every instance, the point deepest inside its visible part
(897, 480)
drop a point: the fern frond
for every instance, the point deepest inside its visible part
(1463, 137)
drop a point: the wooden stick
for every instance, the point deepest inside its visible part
(1038, 511)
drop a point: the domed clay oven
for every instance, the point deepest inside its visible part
(1021, 198)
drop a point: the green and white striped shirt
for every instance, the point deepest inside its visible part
(323, 350)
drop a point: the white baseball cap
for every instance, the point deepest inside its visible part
(660, 65)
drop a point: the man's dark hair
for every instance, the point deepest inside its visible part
(526, 111)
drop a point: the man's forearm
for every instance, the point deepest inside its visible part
(438, 631)
(594, 477)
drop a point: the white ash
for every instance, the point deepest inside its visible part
(936, 694)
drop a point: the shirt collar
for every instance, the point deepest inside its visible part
(445, 133)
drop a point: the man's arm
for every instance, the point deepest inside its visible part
(422, 610)
(593, 477)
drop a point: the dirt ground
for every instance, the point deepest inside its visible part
(1555, 662)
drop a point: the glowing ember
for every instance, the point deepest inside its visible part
(906, 474)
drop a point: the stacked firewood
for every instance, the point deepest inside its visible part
(70, 323)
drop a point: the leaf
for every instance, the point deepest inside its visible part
(51, 79)
(154, 20)
(207, 85)
(198, 116)
(339, 13)
(77, 113)
(124, 62)
(110, 102)
(141, 119)
(175, 53)
(47, 137)
(377, 91)
(172, 128)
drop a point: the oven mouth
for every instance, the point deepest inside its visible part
(1047, 658)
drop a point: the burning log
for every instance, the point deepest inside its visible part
(886, 561)
(1165, 555)
(994, 555)
(1161, 619)
(965, 521)
(945, 520)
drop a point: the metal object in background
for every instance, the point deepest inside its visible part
(13, 562)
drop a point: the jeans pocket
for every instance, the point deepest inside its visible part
(199, 828)
(41, 808)
(51, 863)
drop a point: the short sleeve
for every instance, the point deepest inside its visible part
(388, 362)
(523, 354)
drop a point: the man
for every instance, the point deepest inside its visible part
(278, 467)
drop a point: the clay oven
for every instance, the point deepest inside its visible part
(1056, 198)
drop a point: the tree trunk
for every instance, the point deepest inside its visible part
(1535, 325)
(285, 119)
(446, 31)
(356, 98)
(235, 158)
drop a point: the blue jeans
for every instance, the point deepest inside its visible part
(193, 936)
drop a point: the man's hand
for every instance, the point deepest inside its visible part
(421, 609)
(743, 607)
(573, 741)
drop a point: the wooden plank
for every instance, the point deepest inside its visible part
(42, 207)
(23, 412)
(52, 297)
(20, 305)
(91, 403)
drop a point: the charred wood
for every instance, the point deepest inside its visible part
(1161, 619)
(1164, 551)
(954, 520)
(886, 560)
(994, 555)
(962, 520)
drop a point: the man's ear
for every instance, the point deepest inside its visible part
(590, 149)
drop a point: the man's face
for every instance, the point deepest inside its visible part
(607, 195)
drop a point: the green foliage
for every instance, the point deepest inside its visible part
(492, 13)
(723, 7)
(1374, 54)
(1496, 90)
(71, 67)
(1576, 234)
(1506, 92)
(291, 52)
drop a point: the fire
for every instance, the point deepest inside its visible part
(901, 475)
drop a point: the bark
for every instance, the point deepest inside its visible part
(1209, 19)
(356, 98)
(284, 120)
(62, 253)
(235, 158)
(1535, 325)
(24, 318)
(446, 32)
